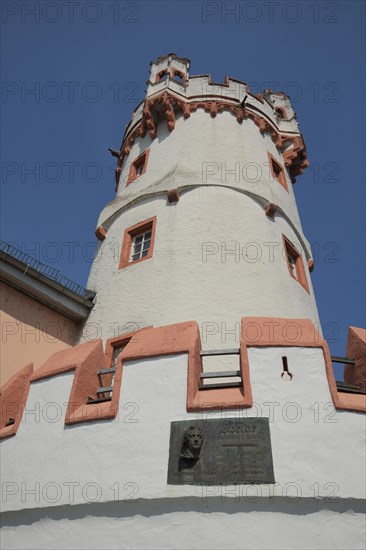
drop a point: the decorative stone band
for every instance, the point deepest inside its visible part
(13, 398)
(86, 359)
(123, 204)
(166, 106)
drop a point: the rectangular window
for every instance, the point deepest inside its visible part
(138, 243)
(295, 263)
(138, 167)
(277, 171)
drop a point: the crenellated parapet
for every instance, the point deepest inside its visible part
(172, 93)
(89, 363)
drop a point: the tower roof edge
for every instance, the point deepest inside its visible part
(162, 57)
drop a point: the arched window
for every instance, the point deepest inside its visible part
(178, 75)
(162, 75)
(281, 113)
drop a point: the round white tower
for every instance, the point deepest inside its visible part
(204, 178)
(139, 441)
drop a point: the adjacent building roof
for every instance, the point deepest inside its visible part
(44, 283)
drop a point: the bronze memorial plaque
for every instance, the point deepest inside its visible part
(230, 450)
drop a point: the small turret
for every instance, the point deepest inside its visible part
(170, 71)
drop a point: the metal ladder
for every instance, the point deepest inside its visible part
(344, 387)
(104, 393)
(220, 374)
(102, 390)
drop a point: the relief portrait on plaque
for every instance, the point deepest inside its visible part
(211, 451)
(191, 448)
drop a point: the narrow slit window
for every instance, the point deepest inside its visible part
(295, 263)
(138, 167)
(116, 351)
(292, 263)
(277, 171)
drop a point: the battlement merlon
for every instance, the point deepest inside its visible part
(172, 93)
(274, 106)
(172, 99)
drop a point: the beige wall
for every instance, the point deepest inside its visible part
(30, 331)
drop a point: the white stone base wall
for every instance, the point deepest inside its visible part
(220, 523)
(104, 484)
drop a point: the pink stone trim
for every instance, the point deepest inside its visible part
(100, 233)
(13, 397)
(129, 233)
(173, 196)
(85, 359)
(272, 331)
(185, 338)
(356, 349)
(166, 105)
(270, 209)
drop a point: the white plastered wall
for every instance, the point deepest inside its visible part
(317, 456)
(311, 442)
(203, 150)
(217, 258)
(225, 524)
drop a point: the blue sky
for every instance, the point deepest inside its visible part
(87, 64)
